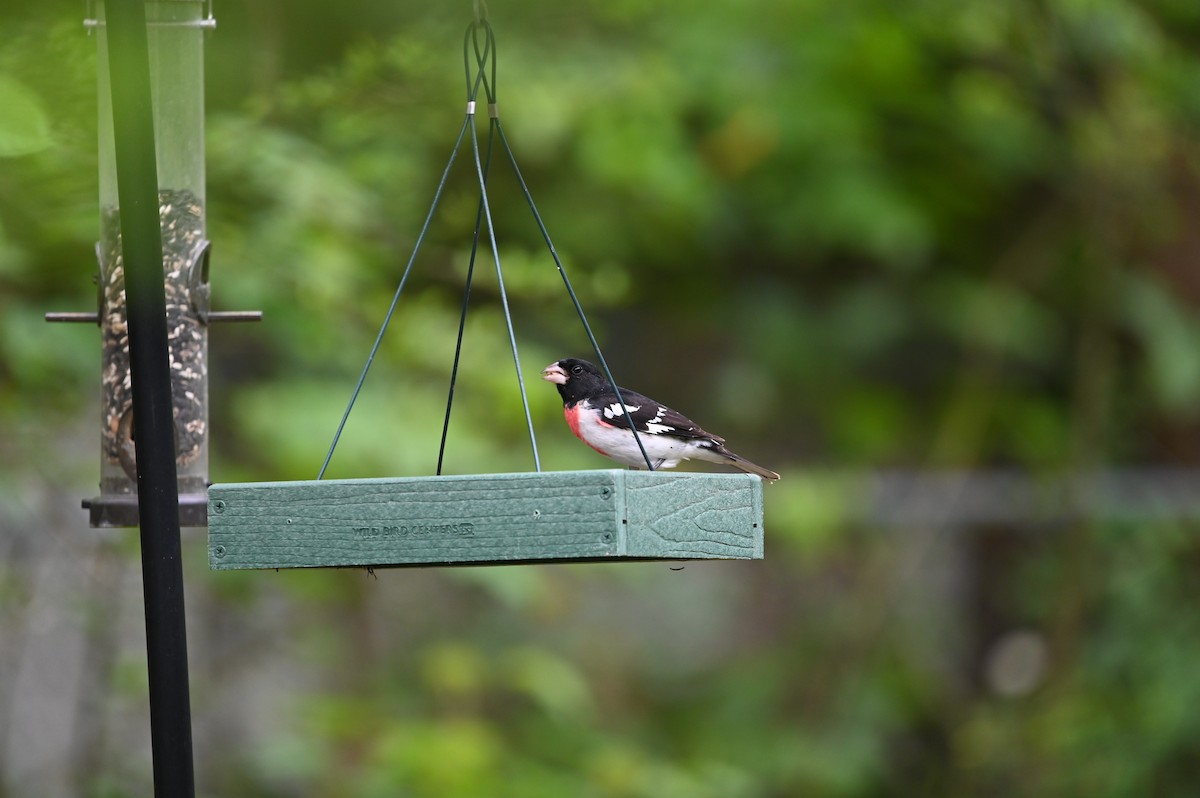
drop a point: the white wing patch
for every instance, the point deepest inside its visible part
(656, 427)
(614, 410)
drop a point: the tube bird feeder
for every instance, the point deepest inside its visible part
(175, 36)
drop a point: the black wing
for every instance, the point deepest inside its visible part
(649, 417)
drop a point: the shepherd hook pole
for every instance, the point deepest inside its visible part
(154, 431)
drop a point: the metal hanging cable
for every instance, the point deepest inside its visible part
(479, 41)
(497, 128)
(484, 57)
(472, 92)
(571, 292)
(400, 288)
(462, 318)
(486, 60)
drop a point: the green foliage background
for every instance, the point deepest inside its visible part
(923, 235)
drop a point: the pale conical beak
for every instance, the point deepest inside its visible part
(555, 374)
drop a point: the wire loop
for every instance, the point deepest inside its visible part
(485, 60)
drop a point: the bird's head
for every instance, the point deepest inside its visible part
(576, 379)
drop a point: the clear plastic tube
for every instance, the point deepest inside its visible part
(175, 31)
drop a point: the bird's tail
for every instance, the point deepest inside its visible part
(747, 466)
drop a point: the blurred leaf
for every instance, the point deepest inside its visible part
(557, 686)
(455, 670)
(25, 124)
(1171, 338)
(453, 758)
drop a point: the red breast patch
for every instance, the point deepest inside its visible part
(572, 414)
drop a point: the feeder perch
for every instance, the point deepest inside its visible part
(485, 518)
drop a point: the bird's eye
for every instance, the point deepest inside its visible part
(576, 369)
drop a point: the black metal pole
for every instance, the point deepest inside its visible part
(154, 429)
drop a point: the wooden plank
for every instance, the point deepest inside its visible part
(485, 518)
(703, 516)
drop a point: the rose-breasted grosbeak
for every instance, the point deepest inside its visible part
(596, 417)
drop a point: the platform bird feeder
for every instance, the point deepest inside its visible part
(534, 517)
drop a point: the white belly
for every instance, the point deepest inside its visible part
(664, 451)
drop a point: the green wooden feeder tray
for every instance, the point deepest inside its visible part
(557, 516)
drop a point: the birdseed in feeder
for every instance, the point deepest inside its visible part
(181, 216)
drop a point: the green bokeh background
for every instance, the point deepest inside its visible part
(852, 237)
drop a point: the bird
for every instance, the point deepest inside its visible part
(597, 418)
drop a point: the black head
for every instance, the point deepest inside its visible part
(576, 379)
